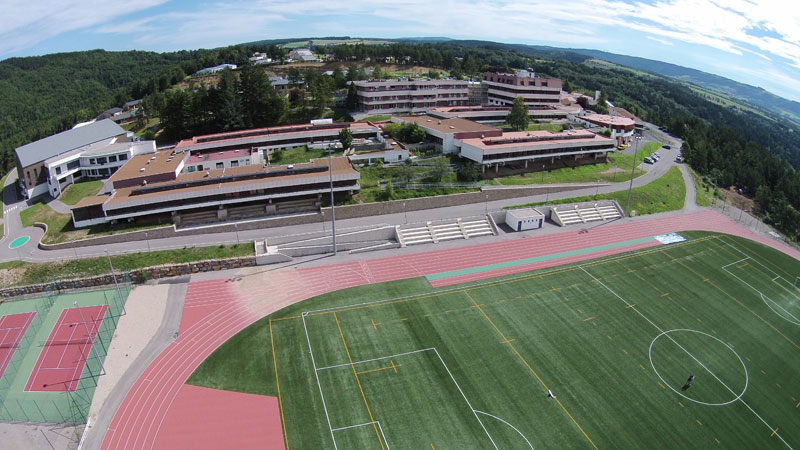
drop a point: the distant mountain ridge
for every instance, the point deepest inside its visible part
(755, 95)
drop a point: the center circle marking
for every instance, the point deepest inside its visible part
(744, 367)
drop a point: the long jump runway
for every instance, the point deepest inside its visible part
(65, 352)
(215, 310)
(12, 328)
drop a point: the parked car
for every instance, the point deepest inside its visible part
(648, 160)
(666, 146)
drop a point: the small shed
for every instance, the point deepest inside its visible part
(524, 219)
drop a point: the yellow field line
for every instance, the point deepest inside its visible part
(372, 419)
(742, 305)
(374, 325)
(514, 349)
(278, 385)
(588, 319)
(774, 431)
(393, 366)
(378, 369)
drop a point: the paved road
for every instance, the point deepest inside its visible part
(31, 253)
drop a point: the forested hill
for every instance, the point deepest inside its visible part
(43, 95)
(751, 94)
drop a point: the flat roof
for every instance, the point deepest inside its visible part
(452, 125)
(341, 166)
(234, 136)
(525, 212)
(92, 200)
(60, 143)
(605, 119)
(515, 139)
(199, 157)
(153, 163)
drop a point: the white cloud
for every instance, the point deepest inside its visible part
(26, 23)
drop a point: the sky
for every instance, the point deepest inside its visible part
(751, 41)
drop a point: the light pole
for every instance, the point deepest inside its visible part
(148, 242)
(636, 140)
(405, 212)
(115, 282)
(333, 213)
(236, 228)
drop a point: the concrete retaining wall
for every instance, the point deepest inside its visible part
(342, 212)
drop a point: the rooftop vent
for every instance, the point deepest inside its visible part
(221, 153)
(236, 151)
(452, 127)
(141, 170)
(207, 174)
(144, 182)
(152, 158)
(429, 120)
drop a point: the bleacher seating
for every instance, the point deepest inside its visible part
(429, 233)
(568, 215)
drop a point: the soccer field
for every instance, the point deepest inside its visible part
(403, 366)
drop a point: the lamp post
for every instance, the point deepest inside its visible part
(115, 282)
(636, 140)
(148, 241)
(333, 213)
(405, 212)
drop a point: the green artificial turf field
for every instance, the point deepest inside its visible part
(402, 365)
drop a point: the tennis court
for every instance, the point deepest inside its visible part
(12, 328)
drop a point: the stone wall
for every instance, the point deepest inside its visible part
(137, 276)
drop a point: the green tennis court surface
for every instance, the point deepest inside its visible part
(56, 407)
(407, 366)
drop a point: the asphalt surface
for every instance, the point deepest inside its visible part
(31, 253)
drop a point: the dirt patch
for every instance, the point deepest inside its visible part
(613, 170)
(738, 200)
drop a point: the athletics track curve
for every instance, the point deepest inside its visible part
(215, 310)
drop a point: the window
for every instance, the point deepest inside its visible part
(112, 158)
(220, 165)
(58, 170)
(35, 174)
(191, 169)
(92, 161)
(73, 164)
(234, 163)
(29, 176)
(123, 157)
(199, 167)
(101, 160)
(246, 162)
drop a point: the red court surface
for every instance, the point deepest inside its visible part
(12, 328)
(204, 418)
(65, 353)
(217, 309)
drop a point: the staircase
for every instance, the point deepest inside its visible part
(432, 234)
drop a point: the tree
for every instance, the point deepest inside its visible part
(346, 138)
(518, 116)
(567, 86)
(351, 102)
(227, 103)
(441, 168)
(405, 171)
(261, 105)
(468, 171)
(433, 74)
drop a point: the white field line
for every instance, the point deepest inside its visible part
(765, 298)
(354, 426)
(376, 359)
(319, 386)
(771, 428)
(736, 262)
(512, 278)
(383, 436)
(465, 397)
(512, 426)
(777, 275)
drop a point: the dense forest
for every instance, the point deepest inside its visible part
(43, 95)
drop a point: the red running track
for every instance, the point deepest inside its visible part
(64, 355)
(12, 328)
(218, 309)
(203, 418)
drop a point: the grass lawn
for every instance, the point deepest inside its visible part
(554, 127)
(378, 118)
(705, 192)
(296, 155)
(27, 273)
(614, 339)
(667, 193)
(619, 169)
(60, 229)
(76, 191)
